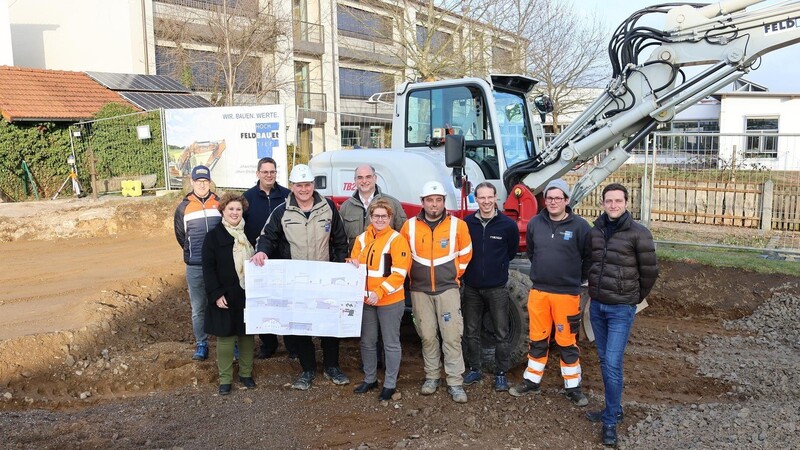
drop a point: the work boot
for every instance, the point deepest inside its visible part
(576, 397)
(610, 435)
(201, 353)
(525, 388)
(336, 376)
(500, 382)
(303, 382)
(472, 377)
(429, 386)
(386, 394)
(364, 387)
(248, 382)
(597, 416)
(458, 394)
(224, 389)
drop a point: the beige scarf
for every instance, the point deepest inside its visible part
(242, 250)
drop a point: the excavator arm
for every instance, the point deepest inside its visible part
(722, 36)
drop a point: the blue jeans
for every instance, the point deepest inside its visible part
(612, 326)
(198, 299)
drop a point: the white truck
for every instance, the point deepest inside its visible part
(465, 131)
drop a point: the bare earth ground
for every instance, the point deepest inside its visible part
(95, 346)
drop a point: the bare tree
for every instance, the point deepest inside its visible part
(430, 39)
(229, 49)
(563, 49)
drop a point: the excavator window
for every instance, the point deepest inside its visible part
(435, 112)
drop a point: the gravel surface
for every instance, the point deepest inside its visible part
(763, 366)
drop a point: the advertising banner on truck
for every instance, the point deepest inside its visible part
(229, 140)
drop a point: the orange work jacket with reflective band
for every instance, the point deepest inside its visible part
(388, 257)
(440, 256)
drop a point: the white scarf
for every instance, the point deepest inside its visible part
(242, 250)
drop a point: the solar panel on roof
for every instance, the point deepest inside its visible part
(155, 100)
(135, 82)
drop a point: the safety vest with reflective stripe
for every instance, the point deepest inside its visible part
(388, 258)
(440, 256)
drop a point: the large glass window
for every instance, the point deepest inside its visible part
(515, 135)
(201, 70)
(438, 40)
(761, 146)
(356, 83)
(434, 113)
(362, 24)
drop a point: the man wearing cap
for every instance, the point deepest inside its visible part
(308, 227)
(440, 249)
(560, 259)
(265, 196)
(196, 214)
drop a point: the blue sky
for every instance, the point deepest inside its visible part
(775, 73)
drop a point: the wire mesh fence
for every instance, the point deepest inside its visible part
(115, 149)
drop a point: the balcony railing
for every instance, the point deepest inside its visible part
(311, 100)
(308, 32)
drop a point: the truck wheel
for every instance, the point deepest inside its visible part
(518, 287)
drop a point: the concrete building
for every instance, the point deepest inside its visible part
(327, 59)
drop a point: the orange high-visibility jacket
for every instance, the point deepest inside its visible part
(388, 258)
(440, 256)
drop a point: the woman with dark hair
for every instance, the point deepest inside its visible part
(225, 252)
(388, 258)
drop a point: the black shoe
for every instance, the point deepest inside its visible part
(525, 388)
(610, 435)
(576, 397)
(597, 416)
(386, 394)
(224, 389)
(364, 387)
(248, 382)
(265, 353)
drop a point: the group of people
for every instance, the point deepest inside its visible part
(454, 269)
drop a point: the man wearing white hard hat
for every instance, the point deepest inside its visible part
(441, 249)
(308, 227)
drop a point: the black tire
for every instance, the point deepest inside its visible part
(519, 284)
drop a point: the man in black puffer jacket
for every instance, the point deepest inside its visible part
(623, 271)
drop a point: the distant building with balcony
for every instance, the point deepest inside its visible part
(333, 57)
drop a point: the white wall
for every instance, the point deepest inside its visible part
(737, 108)
(82, 35)
(6, 53)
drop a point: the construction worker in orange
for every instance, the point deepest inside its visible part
(560, 260)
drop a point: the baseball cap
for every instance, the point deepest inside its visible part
(200, 173)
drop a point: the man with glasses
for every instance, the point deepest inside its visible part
(354, 209)
(556, 246)
(195, 216)
(265, 196)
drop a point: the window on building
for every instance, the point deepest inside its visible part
(503, 60)
(351, 137)
(212, 5)
(363, 24)
(200, 70)
(694, 137)
(356, 83)
(438, 40)
(756, 144)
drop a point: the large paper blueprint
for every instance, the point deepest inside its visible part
(309, 298)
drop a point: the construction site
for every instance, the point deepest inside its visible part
(96, 344)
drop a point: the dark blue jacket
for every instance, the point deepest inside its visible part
(261, 206)
(493, 247)
(559, 254)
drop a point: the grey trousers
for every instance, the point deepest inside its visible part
(435, 314)
(389, 317)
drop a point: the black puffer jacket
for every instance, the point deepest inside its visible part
(624, 266)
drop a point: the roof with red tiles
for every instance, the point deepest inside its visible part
(51, 95)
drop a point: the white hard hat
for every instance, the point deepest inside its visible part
(432, 188)
(301, 173)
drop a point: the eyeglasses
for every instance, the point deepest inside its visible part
(267, 172)
(380, 217)
(554, 199)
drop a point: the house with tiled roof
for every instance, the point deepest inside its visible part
(38, 95)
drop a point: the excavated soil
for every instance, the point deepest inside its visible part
(95, 346)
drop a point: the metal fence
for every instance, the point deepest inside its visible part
(126, 147)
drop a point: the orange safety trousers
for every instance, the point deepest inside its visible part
(563, 310)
